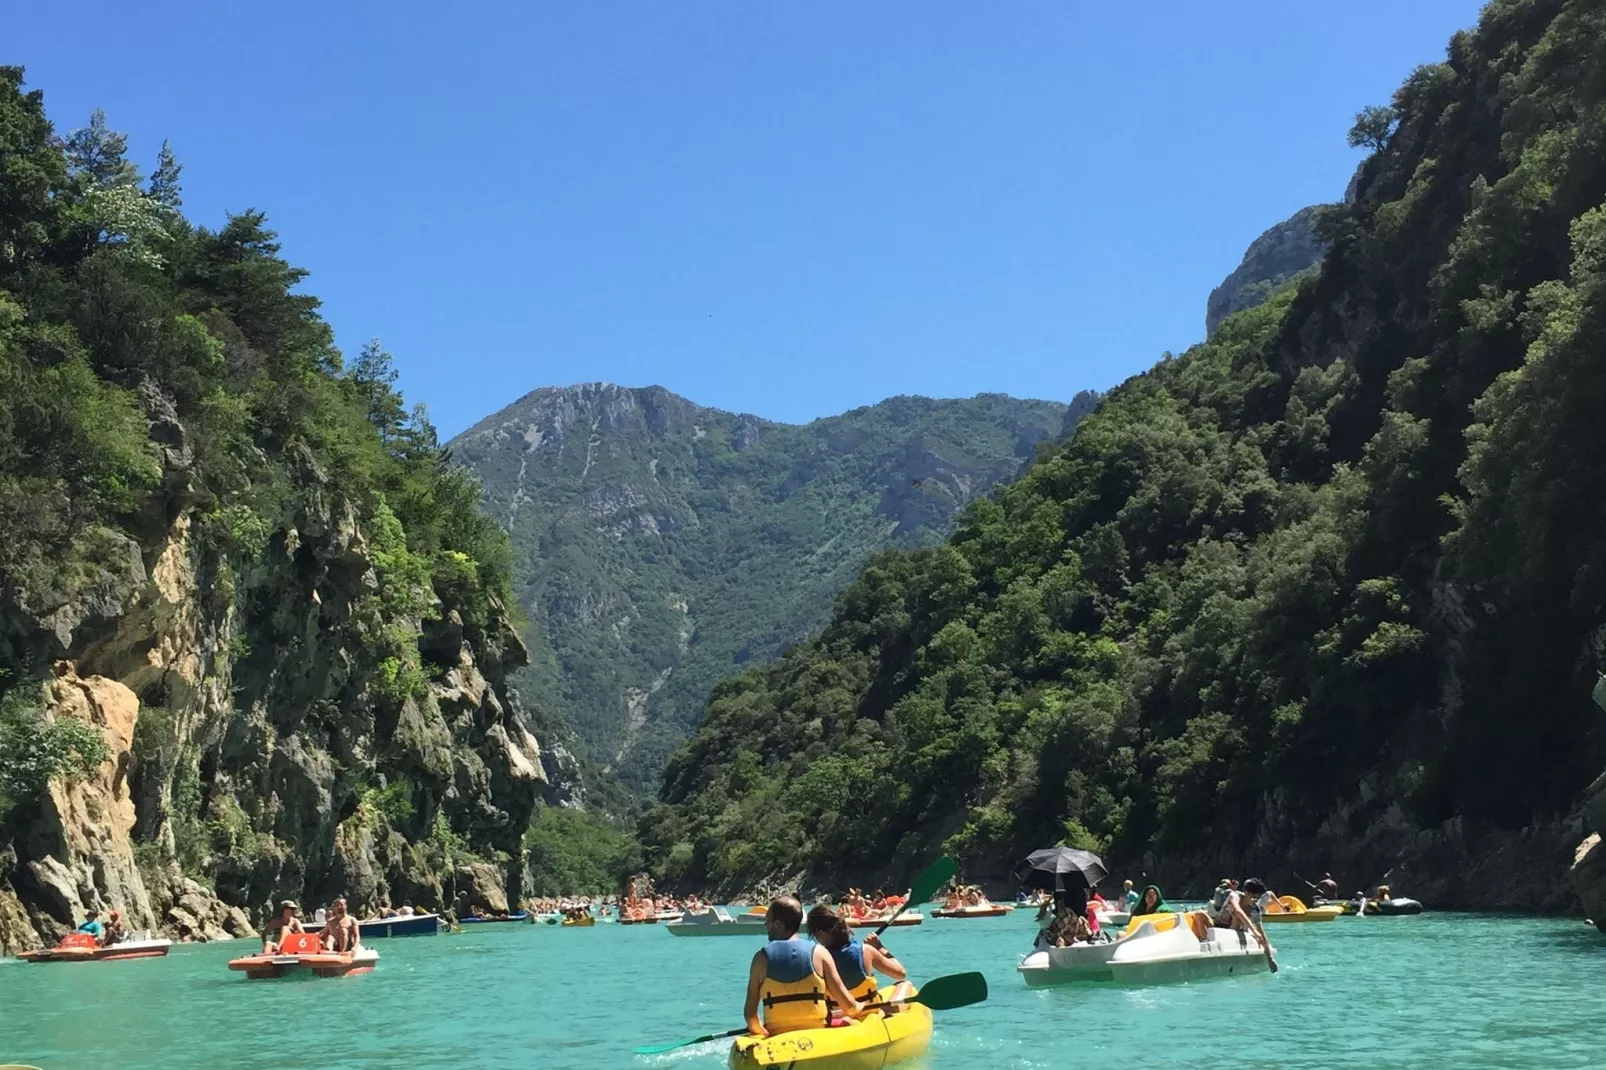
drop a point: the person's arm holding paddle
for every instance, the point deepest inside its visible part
(882, 961)
(1255, 891)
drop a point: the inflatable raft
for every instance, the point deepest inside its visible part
(82, 947)
(499, 920)
(302, 955)
(879, 1039)
(1399, 905)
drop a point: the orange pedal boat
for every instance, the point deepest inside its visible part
(303, 954)
(82, 947)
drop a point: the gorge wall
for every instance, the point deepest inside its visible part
(1321, 593)
(253, 635)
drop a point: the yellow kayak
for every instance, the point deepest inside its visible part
(581, 921)
(880, 1039)
(1290, 909)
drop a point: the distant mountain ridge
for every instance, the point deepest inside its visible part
(661, 545)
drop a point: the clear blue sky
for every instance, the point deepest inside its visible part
(781, 208)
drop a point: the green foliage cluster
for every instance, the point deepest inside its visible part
(1344, 556)
(35, 749)
(393, 802)
(663, 546)
(106, 291)
(152, 367)
(578, 852)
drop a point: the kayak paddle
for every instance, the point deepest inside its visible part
(659, 1049)
(925, 886)
(946, 993)
(940, 994)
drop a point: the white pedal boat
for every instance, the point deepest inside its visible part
(717, 922)
(1154, 949)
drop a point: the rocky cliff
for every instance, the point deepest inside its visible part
(253, 636)
(661, 545)
(1271, 262)
(252, 756)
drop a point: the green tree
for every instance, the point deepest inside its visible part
(1373, 127)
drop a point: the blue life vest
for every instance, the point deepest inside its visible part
(850, 964)
(788, 961)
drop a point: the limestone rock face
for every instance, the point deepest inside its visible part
(78, 843)
(1272, 259)
(258, 750)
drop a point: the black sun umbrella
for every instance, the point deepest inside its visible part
(1061, 869)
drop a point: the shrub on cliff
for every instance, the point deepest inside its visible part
(35, 749)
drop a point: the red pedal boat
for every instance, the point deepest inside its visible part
(82, 947)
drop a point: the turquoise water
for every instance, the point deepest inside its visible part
(1439, 990)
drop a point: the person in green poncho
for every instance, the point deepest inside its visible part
(1152, 901)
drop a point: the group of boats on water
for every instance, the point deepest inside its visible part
(1132, 938)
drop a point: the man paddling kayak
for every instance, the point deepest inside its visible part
(792, 978)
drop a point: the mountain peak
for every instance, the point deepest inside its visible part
(661, 545)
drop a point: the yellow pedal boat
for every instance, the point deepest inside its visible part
(1290, 909)
(877, 1040)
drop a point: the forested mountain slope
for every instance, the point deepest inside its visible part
(660, 545)
(252, 635)
(1327, 589)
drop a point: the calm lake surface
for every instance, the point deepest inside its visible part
(1438, 990)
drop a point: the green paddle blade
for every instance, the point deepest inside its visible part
(925, 886)
(659, 1049)
(935, 876)
(955, 990)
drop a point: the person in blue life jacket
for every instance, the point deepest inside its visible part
(857, 963)
(791, 978)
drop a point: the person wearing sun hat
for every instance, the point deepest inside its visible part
(283, 924)
(92, 924)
